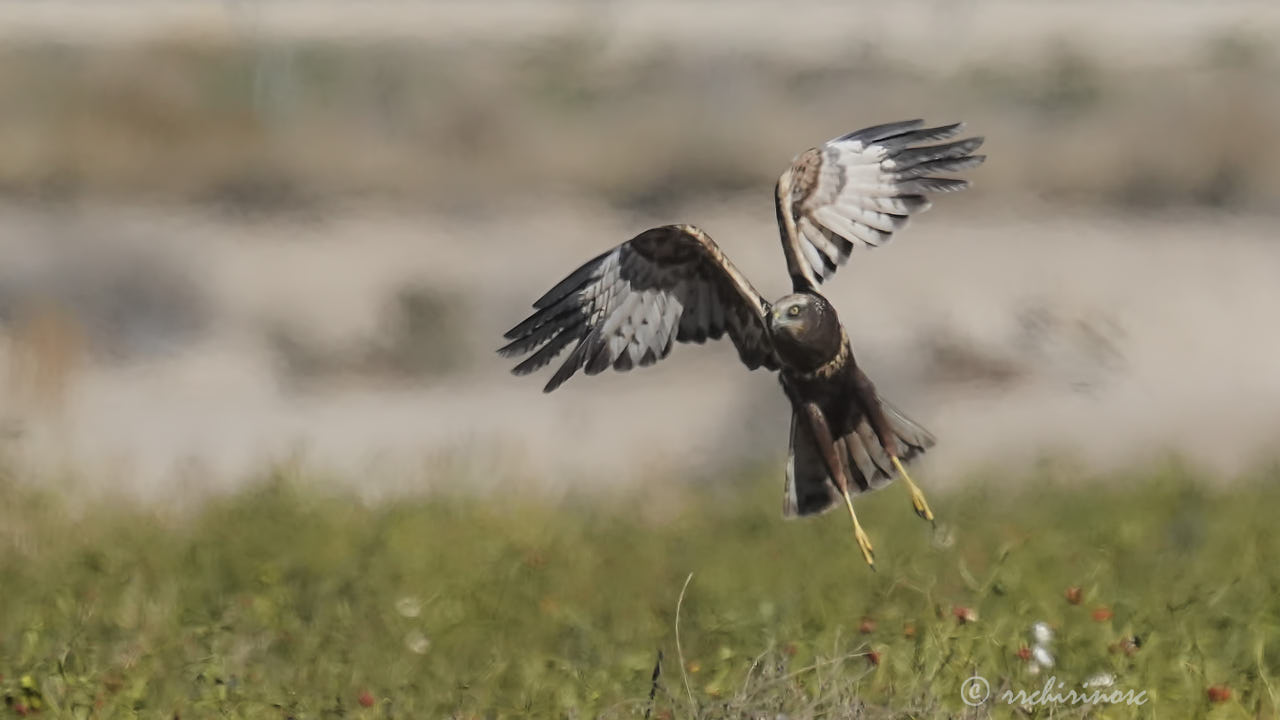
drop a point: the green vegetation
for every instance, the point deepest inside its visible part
(291, 601)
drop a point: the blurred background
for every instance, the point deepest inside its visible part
(239, 232)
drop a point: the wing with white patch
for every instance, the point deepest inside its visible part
(628, 306)
(860, 188)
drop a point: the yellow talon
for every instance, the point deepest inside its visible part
(864, 542)
(917, 498)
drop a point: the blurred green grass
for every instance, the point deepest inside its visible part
(286, 600)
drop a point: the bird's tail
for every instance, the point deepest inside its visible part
(808, 491)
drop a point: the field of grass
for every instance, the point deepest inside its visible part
(287, 600)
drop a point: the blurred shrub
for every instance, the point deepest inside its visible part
(1077, 349)
(423, 335)
(1071, 82)
(953, 359)
(1238, 50)
(123, 306)
(46, 349)
(280, 124)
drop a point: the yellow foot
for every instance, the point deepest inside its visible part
(864, 542)
(917, 498)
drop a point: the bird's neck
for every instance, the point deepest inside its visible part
(810, 359)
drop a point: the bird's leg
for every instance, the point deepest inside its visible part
(875, 413)
(835, 467)
(917, 497)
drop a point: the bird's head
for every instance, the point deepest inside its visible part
(806, 321)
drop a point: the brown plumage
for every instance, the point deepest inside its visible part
(628, 306)
(864, 430)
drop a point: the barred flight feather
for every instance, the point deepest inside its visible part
(629, 306)
(862, 188)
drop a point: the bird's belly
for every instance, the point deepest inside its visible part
(833, 395)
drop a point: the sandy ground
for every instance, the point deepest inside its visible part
(1011, 332)
(1111, 339)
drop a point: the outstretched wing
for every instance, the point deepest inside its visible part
(628, 307)
(860, 188)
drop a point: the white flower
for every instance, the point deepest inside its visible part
(1042, 657)
(417, 642)
(944, 536)
(409, 606)
(1042, 633)
(1101, 680)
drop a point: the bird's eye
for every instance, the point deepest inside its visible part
(794, 311)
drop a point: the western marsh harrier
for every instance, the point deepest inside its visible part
(628, 306)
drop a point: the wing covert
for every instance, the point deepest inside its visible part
(861, 188)
(628, 306)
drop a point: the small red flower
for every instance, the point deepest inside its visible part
(366, 699)
(867, 626)
(1219, 693)
(964, 614)
(1128, 645)
(1074, 595)
(790, 649)
(1024, 653)
(909, 630)
(873, 657)
(21, 708)
(1102, 613)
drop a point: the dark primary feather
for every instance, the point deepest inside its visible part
(861, 188)
(879, 132)
(933, 134)
(628, 306)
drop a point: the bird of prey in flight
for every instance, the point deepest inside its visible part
(628, 306)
